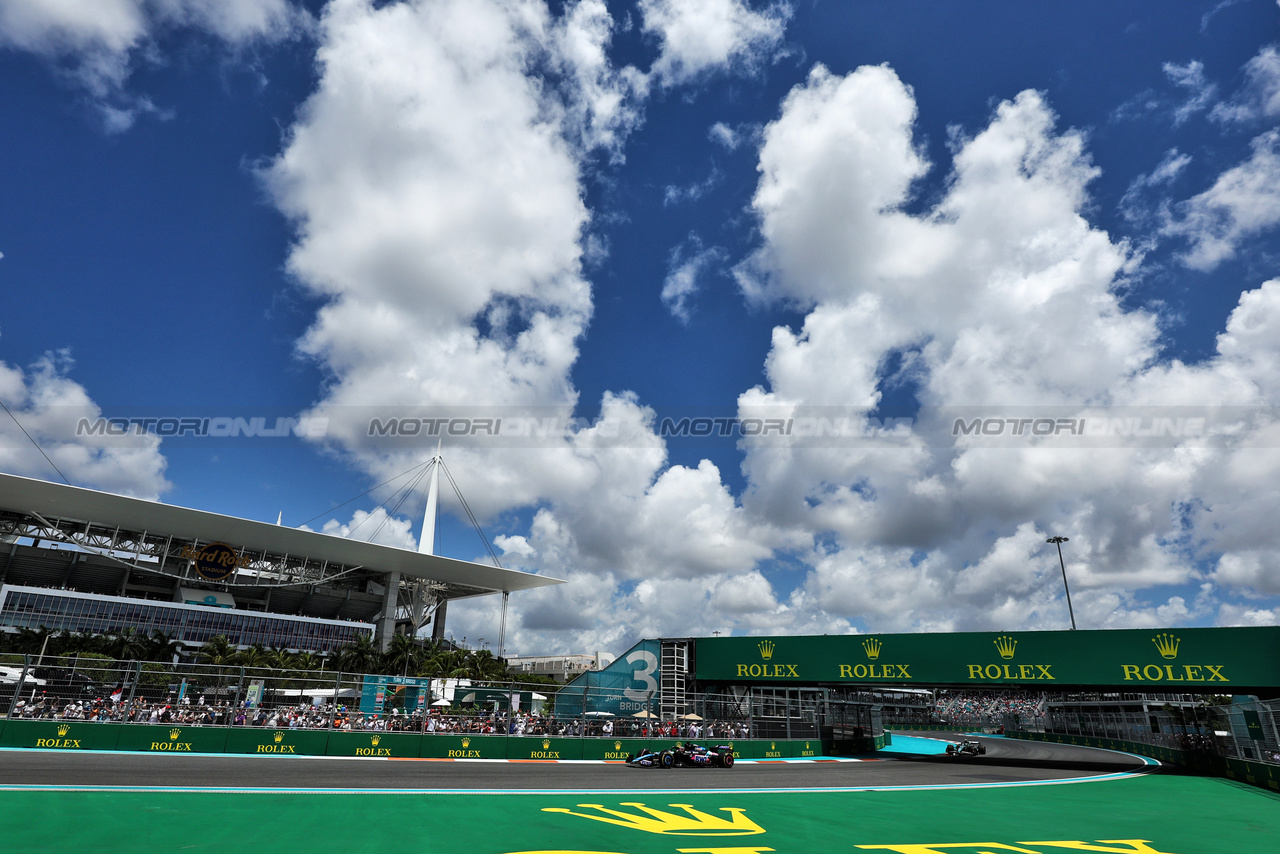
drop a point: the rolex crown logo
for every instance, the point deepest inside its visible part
(617, 745)
(546, 744)
(1005, 645)
(466, 742)
(1167, 644)
(766, 649)
(63, 730)
(773, 745)
(174, 733)
(873, 647)
(375, 739)
(692, 823)
(277, 737)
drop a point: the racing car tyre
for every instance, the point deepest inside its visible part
(666, 760)
(726, 760)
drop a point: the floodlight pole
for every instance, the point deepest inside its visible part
(1058, 541)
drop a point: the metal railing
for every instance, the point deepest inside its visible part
(1242, 730)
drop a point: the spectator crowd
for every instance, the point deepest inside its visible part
(339, 717)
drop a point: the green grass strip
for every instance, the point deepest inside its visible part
(1174, 815)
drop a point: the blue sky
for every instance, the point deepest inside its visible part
(611, 216)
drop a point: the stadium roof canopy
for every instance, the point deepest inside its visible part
(150, 535)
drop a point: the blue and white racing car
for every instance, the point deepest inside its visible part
(686, 753)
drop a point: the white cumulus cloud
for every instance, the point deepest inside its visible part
(46, 407)
(1004, 298)
(98, 43)
(698, 37)
(1244, 201)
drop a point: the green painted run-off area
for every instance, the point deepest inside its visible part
(1169, 814)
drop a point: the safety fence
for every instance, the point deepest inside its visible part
(103, 691)
(1265, 775)
(1247, 731)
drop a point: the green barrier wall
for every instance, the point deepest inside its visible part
(544, 748)
(464, 747)
(1258, 774)
(169, 739)
(388, 744)
(617, 748)
(285, 742)
(147, 738)
(58, 735)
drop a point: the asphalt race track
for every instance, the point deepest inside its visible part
(1006, 761)
(898, 800)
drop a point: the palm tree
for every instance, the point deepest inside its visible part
(359, 656)
(255, 656)
(404, 655)
(85, 642)
(279, 658)
(127, 644)
(161, 647)
(31, 641)
(307, 662)
(218, 651)
(488, 666)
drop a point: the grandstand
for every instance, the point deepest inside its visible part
(79, 560)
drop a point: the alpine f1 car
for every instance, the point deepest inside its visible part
(686, 753)
(967, 747)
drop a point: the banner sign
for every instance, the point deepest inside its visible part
(1216, 660)
(626, 688)
(403, 693)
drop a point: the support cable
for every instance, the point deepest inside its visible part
(474, 522)
(361, 495)
(37, 444)
(404, 495)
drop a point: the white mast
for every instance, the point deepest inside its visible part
(427, 542)
(427, 546)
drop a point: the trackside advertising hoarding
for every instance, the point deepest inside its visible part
(1221, 661)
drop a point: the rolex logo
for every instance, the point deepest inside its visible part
(466, 742)
(277, 737)
(63, 730)
(766, 649)
(1005, 645)
(692, 822)
(174, 733)
(873, 647)
(773, 745)
(546, 743)
(374, 739)
(1167, 644)
(617, 745)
